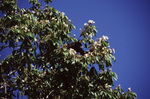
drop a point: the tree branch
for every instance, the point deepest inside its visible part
(47, 97)
(5, 88)
(13, 71)
(3, 47)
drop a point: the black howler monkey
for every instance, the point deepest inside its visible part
(77, 46)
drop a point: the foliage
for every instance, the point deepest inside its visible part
(41, 66)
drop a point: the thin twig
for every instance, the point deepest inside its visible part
(47, 97)
(13, 71)
(5, 86)
(4, 47)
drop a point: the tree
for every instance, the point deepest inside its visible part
(41, 65)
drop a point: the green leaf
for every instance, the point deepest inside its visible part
(31, 35)
(114, 75)
(110, 96)
(113, 57)
(97, 59)
(10, 17)
(67, 61)
(133, 94)
(91, 85)
(105, 43)
(18, 31)
(66, 69)
(66, 53)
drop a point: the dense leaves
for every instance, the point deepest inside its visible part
(42, 66)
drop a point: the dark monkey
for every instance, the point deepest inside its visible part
(77, 46)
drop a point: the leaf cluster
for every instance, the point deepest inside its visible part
(40, 64)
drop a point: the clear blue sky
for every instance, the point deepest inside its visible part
(127, 24)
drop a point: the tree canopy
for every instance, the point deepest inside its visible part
(41, 65)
